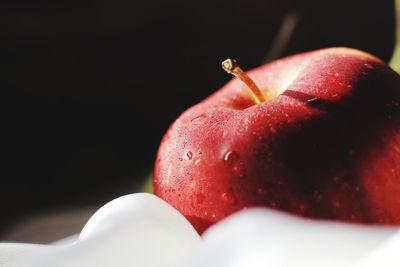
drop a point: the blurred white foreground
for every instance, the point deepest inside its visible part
(142, 230)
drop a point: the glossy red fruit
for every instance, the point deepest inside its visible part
(325, 144)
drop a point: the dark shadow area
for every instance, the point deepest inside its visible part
(324, 157)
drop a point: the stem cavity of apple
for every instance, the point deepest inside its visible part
(232, 67)
(395, 60)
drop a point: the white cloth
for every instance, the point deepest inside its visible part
(141, 230)
(11, 253)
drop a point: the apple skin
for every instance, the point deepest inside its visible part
(326, 144)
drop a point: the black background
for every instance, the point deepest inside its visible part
(90, 87)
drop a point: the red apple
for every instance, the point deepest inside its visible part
(324, 144)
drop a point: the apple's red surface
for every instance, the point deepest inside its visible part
(326, 144)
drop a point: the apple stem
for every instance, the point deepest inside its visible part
(395, 60)
(232, 67)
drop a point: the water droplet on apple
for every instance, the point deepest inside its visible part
(261, 191)
(229, 197)
(232, 160)
(197, 119)
(312, 99)
(317, 195)
(189, 155)
(369, 66)
(336, 204)
(230, 156)
(200, 198)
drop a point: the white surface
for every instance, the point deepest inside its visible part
(141, 230)
(261, 237)
(11, 253)
(387, 255)
(134, 230)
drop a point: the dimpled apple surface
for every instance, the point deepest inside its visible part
(324, 144)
